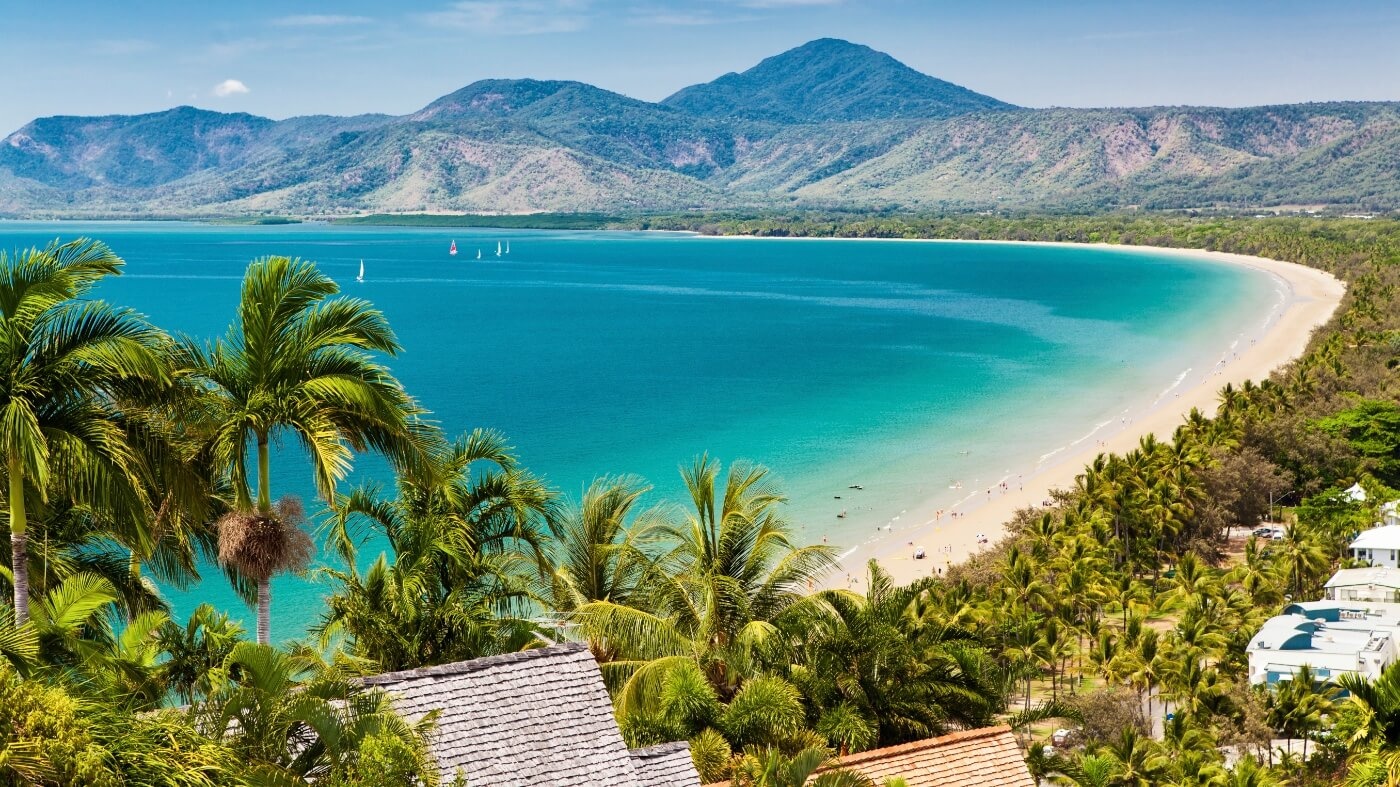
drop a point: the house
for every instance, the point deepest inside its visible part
(1355, 493)
(1377, 583)
(540, 718)
(989, 757)
(1379, 546)
(1390, 513)
(1330, 637)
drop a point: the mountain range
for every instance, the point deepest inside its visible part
(828, 124)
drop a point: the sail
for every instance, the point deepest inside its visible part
(361, 277)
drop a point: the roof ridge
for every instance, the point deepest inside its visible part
(927, 743)
(474, 665)
(660, 748)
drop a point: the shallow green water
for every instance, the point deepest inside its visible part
(833, 362)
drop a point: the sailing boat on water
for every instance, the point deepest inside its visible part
(498, 248)
(507, 247)
(478, 254)
(361, 277)
(453, 251)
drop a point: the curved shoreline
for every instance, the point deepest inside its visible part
(1311, 298)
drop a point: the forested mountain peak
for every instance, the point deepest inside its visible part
(831, 80)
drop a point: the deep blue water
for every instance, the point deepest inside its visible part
(832, 362)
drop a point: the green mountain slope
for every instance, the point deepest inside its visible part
(884, 138)
(830, 80)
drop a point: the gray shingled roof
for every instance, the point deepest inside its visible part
(667, 765)
(539, 718)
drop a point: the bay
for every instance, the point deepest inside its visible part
(903, 367)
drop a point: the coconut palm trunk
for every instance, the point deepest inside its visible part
(264, 611)
(264, 507)
(299, 359)
(19, 542)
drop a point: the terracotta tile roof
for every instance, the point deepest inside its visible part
(987, 757)
(539, 718)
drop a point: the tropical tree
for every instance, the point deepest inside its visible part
(731, 579)
(290, 716)
(466, 538)
(873, 674)
(297, 360)
(66, 363)
(811, 767)
(195, 651)
(1377, 708)
(602, 547)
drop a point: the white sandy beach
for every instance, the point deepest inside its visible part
(1310, 298)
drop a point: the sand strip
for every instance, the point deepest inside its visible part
(1311, 296)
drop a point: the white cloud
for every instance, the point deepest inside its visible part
(320, 20)
(230, 87)
(511, 17)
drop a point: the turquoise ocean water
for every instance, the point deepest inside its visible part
(895, 365)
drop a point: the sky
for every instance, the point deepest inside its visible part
(280, 59)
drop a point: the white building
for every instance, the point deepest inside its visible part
(1379, 546)
(1365, 584)
(1390, 513)
(1331, 637)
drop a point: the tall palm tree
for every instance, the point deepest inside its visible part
(297, 360)
(600, 546)
(902, 676)
(724, 589)
(66, 362)
(466, 542)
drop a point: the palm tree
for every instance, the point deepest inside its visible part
(1378, 703)
(811, 767)
(298, 360)
(1302, 560)
(292, 719)
(725, 589)
(870, 664)
(466, 542)
(65, 364)
(600, 546)
(1133, 759)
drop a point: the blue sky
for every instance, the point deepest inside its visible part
(287, 58)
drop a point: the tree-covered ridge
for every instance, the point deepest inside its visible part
(830, 80)
(1120, 603)
(829, 123)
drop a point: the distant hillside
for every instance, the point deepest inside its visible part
(829, 124)
(830, 80)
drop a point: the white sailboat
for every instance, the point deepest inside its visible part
(498, 248)
(478, 254)
(361, 277)
(507, 247)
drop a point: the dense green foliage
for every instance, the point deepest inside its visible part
(830, 80)
(529, 221)
(1124, 601)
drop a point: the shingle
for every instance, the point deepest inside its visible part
(989, 757)
(667, 765)
(540, 718)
